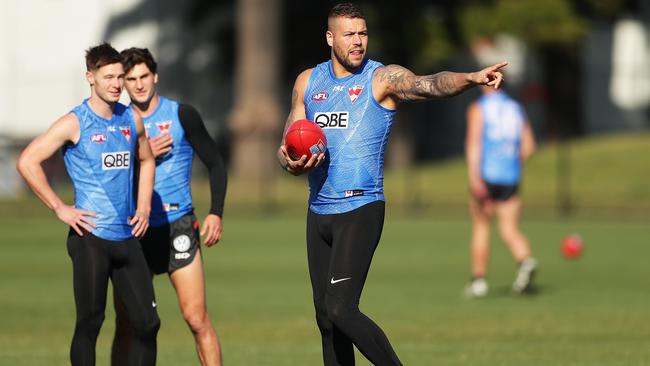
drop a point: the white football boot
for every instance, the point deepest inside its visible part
(525, 275)
(477, 288)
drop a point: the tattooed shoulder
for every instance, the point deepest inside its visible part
(392, 74)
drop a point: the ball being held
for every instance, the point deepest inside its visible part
(304, 137)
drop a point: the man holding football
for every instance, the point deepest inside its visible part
(346, 202)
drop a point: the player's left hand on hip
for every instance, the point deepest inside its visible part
(140, 223)
(212, 227)
(490, 75)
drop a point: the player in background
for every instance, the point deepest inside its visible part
(354, 99)
(101, 139)
(499, 139)
(172, 244)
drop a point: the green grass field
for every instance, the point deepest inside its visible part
(606, 176)
(593, 311)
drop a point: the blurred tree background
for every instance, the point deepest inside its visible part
(200, 45)
(236, 60)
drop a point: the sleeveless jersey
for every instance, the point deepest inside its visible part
(503, 122)
(172, 198)
(357, 129)
(100, 166)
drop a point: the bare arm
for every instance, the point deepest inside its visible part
(473, 147)
(393, 83)
(304, 164)
(527, 142)
(297, 103)
(62, 131)
(140, 220)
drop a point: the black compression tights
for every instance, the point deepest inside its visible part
(340, 248)
(94, 261)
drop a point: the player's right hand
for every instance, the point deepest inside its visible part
(76, 218)
(161, 144)
(302, 165)
(479, 191)
(490, 75)
(140, 222)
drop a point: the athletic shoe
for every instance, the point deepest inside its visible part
(525, 276)
(477, 288)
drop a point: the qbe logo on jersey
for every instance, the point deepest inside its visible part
(116, 160)
(332, 119)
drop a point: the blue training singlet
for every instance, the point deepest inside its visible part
(172, 198)
(100, 165)
(357, 129)
(503, 122)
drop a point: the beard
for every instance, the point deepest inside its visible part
(343, 58)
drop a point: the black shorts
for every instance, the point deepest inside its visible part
(500, 192)
(172, 246)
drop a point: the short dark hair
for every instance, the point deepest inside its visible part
(101, 55)
(134, 56)
(346, 10)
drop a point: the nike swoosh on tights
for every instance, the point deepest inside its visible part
(333, 281)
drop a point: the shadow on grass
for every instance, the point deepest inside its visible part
(506, 291)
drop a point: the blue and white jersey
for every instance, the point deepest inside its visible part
(503, 123)
(100, 165)
(172, 198)
(357, 129)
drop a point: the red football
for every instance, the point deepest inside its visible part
(572, 246)
(304, 137)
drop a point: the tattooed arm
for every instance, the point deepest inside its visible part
(304, 164)
(393, 84)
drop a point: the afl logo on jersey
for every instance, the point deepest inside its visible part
(319, 97)
(98, 137)
(164, 126)
(116, 160)
(332, 119)
(354, 92)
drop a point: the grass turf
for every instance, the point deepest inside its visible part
(592, 311)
